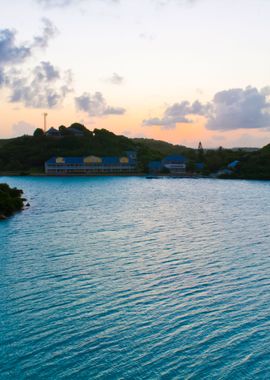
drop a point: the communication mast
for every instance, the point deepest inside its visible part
(200, 147)
(200, 152)
(45, 122)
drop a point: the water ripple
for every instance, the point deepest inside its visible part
(124, 278)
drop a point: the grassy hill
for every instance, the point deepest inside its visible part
(27, 154)
(255, 165)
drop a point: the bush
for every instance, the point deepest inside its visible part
(10, 200)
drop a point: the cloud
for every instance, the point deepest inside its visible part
(57, 3)
(2, 77)
(49, 31)
(147, 36)
(247, 108)
(43, 87)
(66, 3)
(116, 79)
(240, 108)
(23, 128)
(95, 105)
(177, 113)
(12, 53)
(181, 2)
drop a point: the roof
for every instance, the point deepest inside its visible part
(199, 165)
(175, 159)
(233, 164)
(52, 131)
(108, 160)
(154, 165)
(66, 160)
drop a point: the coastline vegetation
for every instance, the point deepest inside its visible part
(27, 154)
(10, 200)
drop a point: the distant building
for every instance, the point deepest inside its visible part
(176, 164)
(92, 165)
(233, 165)
(155, 167)
(199, 166)
(53, 132)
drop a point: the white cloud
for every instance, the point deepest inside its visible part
(43, 87)
(247, 108)
(177, 113)
(96, 105)
(115, 79)
(240, 108)
(66, 3)
(12, 53)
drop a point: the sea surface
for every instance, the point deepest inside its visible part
(133, 278)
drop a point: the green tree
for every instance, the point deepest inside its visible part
(38, 132)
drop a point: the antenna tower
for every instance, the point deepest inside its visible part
(45, 122)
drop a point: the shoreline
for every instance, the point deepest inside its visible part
(146, 175)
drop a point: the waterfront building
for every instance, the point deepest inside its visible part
(53, 132)
(155, 167)
(199, 166)
(71, 131)
(92, 165)
(234, 164)
(176, 164)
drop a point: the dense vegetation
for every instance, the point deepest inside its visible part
(10, 200)
(27, 154)
(255, 165)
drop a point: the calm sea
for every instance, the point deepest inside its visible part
(131, 278)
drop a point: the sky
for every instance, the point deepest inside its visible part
(182, 71)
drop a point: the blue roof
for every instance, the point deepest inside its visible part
(174, 158)
(233, 164)
(53, 131)
(68, 160)
(154, 165)
(199, 165)
(108, 160)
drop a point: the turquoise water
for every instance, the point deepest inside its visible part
(129, 278)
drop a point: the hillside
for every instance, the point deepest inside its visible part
(164, 148)
(27, 154)
(255, 165)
